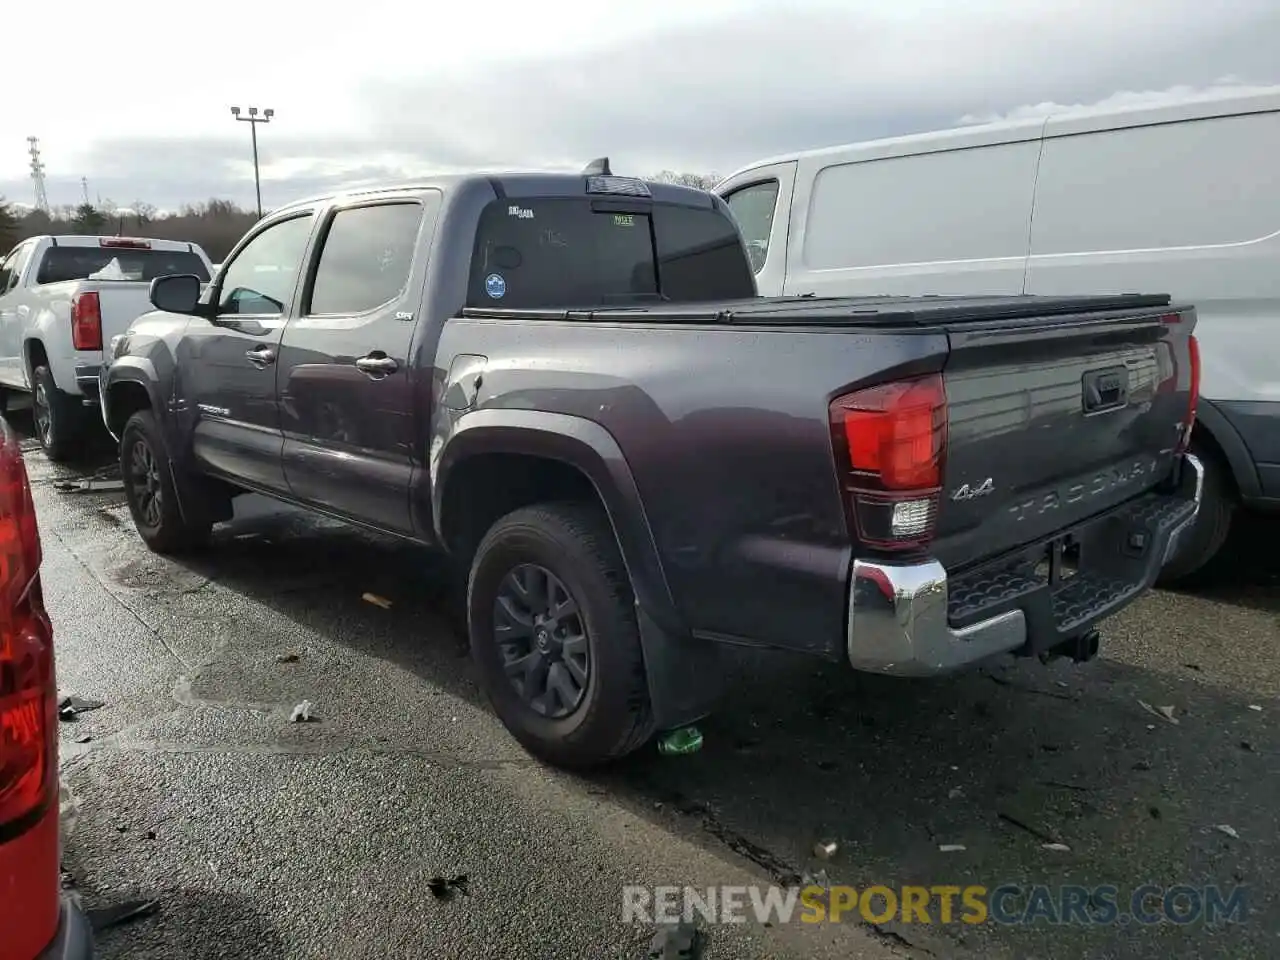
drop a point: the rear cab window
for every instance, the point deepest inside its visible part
(63, 263)
(560, 252)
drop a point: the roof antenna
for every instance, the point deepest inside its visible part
(598, 168)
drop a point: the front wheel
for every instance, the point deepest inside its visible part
(554, 635)
(149, 489)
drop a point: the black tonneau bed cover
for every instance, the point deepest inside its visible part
(845, 311)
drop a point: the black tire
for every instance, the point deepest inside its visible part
(575, 544)
(59, 417)
(149, 489)
(1199, 545)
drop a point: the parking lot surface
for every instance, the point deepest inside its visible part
(262, 837)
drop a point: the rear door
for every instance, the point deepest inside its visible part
(950, 221)
(345, 377)
(1189, 208)
(227, 368)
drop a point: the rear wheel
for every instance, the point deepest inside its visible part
(1200, 544)
(553, 632)
(149, 489)
(59, 417)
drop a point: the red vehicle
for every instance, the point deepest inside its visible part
(36, 921)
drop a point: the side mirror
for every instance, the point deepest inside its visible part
(176, 294)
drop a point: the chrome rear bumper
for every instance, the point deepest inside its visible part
(899, 621)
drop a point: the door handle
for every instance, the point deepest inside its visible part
(260, 356)
(377, 366)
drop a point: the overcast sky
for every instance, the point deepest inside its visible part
(136, 98)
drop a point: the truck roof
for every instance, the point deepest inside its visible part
(518, 184)
(106, 240)
(1081, 119)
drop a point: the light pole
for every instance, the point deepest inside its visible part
(253, 120)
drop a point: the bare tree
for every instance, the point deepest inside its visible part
(701, 181)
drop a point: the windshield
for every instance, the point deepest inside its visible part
(116, 263)
(560, 252)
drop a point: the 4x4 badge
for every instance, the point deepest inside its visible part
(967, 492)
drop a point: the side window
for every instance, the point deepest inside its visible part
(366, 258)
(11, 269)
(700, 255)
(753, 208)
(260, 280)
(7, 273)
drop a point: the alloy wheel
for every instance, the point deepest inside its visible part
(542, 637)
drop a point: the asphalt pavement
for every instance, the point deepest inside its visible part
(260, 837)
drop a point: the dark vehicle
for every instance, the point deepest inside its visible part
(568, 383)
(37, 921)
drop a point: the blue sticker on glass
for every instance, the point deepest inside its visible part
(495, 286)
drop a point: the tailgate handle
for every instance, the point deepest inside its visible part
(1106, 389)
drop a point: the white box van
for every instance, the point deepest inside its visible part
(1182, 198)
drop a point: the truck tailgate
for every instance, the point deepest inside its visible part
(1052, 420)
(120, 302)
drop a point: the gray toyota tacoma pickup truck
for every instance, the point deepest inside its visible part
(568, 383)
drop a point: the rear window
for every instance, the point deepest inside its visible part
(559, 252)
(116, 263)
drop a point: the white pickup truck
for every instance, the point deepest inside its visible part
(62, 299)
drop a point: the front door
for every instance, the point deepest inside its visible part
(14, 314)
(228, 366)
(345, 375)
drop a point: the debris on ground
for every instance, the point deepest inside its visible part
(952, 848)
(1058, 847)
(1164, 713)
(1246, 745)
(94, 484)
(1227, 829)
(955, 793)
(1142, 765)
(679, 743)
(84, 738)
(302, 713)
(104, 918)
(71, 706)
(818, 879)
(151, 834)
(288, 658)
(825, 849)
(1255, 707)
(444, 888)
(677, 941)
(376, 600)
(1025, 827)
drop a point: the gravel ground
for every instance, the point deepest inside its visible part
(264, 838)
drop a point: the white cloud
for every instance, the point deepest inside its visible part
(1124, 99)
(405, 89)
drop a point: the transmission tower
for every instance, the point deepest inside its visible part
(37, 174)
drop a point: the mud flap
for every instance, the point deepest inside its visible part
(684, 674)
(196, 503)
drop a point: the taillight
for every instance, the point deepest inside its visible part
(890, 442)
(86, 321)
(28, 689)
(1193, 392)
